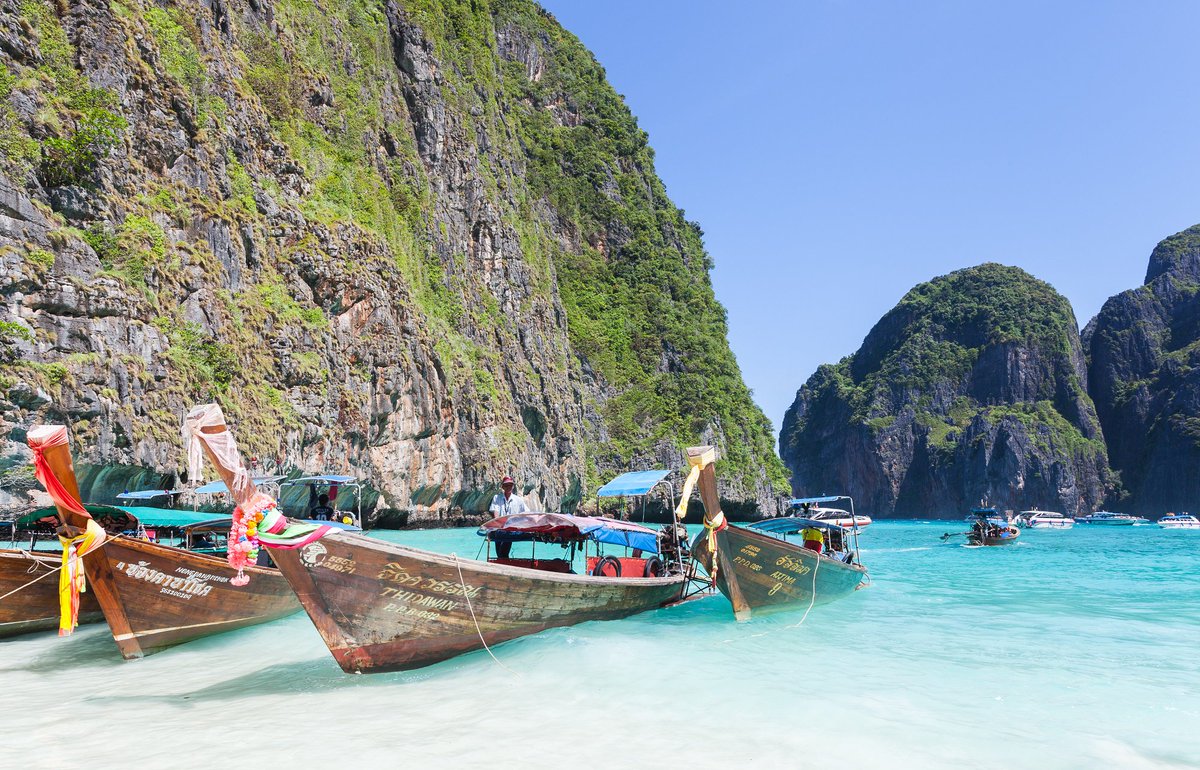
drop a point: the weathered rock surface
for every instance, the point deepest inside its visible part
(1144, 375)
(420, 242)
(974, 386)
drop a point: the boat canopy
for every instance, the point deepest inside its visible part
(815, 500)
(113, 518)
(166, 518)
(564, 528)
(323, 479)
(218, 487)
(985, 512)
(790, 525)
(119, 517)
(148, 494)
(632, 484)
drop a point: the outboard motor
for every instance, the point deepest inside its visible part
(673, 546)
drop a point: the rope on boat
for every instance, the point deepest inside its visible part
(31, 582)
(813, 594)
(471, 607)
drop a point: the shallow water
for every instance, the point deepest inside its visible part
(1068, 650)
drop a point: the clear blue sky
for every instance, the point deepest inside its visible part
(837, 153)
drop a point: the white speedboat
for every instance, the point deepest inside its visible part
(1036, 519)
(840, 517)
(1110, 519)
(810, 508)
(1179, 521)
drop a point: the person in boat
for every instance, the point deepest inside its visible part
(322, 511)
(506, 504)
(814, 538)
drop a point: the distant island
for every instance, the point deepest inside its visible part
(978, 385)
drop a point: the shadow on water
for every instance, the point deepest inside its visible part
(306, 676)
(87, 649)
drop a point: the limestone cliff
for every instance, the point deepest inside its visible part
(1144, 375)
(422, 242)
(973, 386)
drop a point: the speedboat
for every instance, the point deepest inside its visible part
(1036, 519)
(840, 518)
(1179, 521)
(1110, 519)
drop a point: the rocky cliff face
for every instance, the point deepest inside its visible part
(1144, 351)
(422, 242)
(974, 386)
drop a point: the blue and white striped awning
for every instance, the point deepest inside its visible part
(815, 500)
(148, 494)
(632, 484)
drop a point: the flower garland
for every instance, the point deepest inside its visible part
(259, 513)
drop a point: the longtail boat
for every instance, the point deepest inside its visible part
(756, 567)
(152, 595)
(29, 593)
(991, 528)
(384, 607)
(29, 588)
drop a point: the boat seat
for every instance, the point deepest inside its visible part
(546, 565)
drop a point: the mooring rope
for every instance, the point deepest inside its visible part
(471, 607)
(813, 598)
(31, 582)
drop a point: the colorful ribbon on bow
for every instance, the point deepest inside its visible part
(71, 579)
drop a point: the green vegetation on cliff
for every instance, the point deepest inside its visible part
(278, 152)
(982, 355)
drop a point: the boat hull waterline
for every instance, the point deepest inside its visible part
(34, 605)
(386, 607)
(759, 573)
(156, 596)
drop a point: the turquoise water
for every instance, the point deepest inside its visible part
(1069, 650)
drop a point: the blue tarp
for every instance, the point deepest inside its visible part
(326, 479)
(560, 526)
(790, 525)
(815, 500)
(218, 487)
(148, 494)
(632, 484)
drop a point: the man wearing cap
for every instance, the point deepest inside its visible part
(507, 503)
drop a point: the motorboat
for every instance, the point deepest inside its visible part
(810, 508)
(1110, 519)
(1179, 521)
(990, 527)
(1036, 519)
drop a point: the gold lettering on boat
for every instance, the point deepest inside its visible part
(753, 566)
(777, 575)
(792, 565)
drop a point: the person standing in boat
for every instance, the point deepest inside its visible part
(506, 503)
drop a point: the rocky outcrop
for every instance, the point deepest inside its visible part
(420, 242)
(973, 387)
(1144, 376)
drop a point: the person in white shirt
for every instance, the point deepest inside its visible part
(506, 503)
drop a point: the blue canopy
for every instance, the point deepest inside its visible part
(325, 479)
(148, 494)
(790, 525)
(632, 484)
(218, 487)
(565, 528)
(815, 500)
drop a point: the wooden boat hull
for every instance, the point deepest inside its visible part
(155, 596)
(992, 540)
(759, 573)
(35, 607)
(385, 607)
